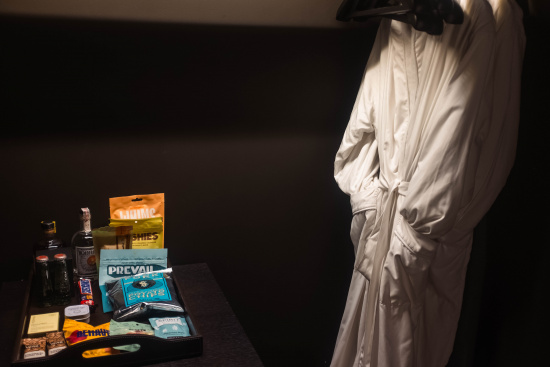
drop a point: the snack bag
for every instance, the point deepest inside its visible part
(34, 347)
(144, 295)
(147, 233)
(170, 327)
(76, 332)
(138, 207)
(130, 328)
(55, 342)
(116, 264)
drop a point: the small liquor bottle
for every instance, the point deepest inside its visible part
(61, 282)
(43, 285)
(49, 239)
(83, 248)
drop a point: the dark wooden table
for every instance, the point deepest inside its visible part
(224, 340)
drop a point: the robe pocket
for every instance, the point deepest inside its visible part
(406, 268)
(363, 221)
(362, 226)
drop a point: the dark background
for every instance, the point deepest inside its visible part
(239, 126)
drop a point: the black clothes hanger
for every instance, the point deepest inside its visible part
(424, 15)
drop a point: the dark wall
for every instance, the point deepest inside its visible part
(238, 126)
(513, 324)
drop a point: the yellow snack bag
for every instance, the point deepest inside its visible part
(76, 332)
(138, 207)
(146, 233)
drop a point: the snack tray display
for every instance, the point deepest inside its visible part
(152, 349)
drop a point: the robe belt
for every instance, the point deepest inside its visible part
(384, 225)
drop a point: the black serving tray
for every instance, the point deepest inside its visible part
(152, 349)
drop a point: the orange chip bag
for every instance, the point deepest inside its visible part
(138, 207)
(76, 332)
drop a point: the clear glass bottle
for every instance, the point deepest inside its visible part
(49, 238)
(43, 285)
(82, 244)
(61, 282)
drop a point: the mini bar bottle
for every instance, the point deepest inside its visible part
(49, 239)
(43, 290)
(83, 248)
(61, 281)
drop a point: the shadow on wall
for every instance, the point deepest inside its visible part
(238, 126)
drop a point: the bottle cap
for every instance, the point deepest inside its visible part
(42, 258)
(85, 213)
(48, 225)
(60, 257)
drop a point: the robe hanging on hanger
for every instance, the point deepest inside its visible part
(429, 145)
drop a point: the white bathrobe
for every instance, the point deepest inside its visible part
(429, 145)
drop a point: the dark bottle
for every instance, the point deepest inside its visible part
(43, 285)
(61, 281)
(49, 239)
(84, 261)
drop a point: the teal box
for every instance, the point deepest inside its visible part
(118, 264)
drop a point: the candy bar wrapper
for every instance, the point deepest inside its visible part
(86, 296)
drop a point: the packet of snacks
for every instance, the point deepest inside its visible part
(55, 341)
(34, 347)
(138, 207)
(77, 332)
(146, 232)
(132, 328)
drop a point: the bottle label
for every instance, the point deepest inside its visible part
(85, 260)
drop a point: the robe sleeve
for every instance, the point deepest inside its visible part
(356, 165)
(446, 150)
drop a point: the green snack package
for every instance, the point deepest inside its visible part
(170, 327)
(132, 328)
(147, 233)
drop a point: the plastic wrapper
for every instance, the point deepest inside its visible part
(77, 332)
(147, 233)
(55, 342)
(138, 207)
(34, 347)
(144, 296)
(130, 328)
(170, 327)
